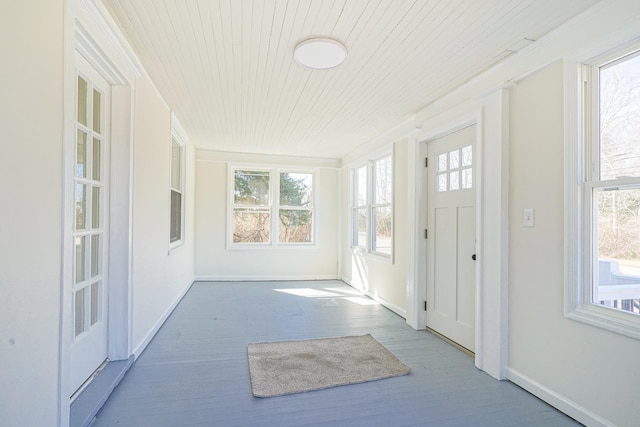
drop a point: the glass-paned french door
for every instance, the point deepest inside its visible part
(89, 278)
(89, 233)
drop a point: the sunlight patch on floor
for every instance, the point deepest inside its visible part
(350, 295)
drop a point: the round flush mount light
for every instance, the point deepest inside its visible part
(320, 53)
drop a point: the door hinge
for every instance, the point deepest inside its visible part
(426, 233)
(425, 306)
(426, 162)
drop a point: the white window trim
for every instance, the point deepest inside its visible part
(274, 207)
(578, 233)
(179, 137)
(367, 250)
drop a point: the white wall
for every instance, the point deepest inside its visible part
(380, 278)
(593, 368)
(213, 261)
(31, 99)
(160, 277)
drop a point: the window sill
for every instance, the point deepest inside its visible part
(377, 256)
(609, 319)
(175, 245)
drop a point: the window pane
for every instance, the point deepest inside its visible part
(95, 255)
(79, 312)
(81, 154)
(251, 226)
(80, 245)
(442, 162)
(96, 111)
(467, 155)
(296, 189)
(81, 206)
(360, 227)
(442, 182)
(95, 302)
(467, 178)
(360, 186)
(620, 119)
(454, 180)
(251, 188)
(175, 232)
(382, 220)
(95, 207)
(176, 174)
(383, 191)
(295, 226)
(82, 101)
(618, 242)
(454, 159)
(96, 160)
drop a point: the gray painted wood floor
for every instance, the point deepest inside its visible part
(194, 372)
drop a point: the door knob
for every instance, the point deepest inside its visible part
(473, 257)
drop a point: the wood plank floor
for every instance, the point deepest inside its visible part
(194, 372)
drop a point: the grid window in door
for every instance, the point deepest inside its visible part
(454, 169)
(89, 221)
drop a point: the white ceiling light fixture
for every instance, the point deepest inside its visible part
(320, 53)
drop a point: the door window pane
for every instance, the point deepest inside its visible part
(467, 156)
(82, 101)
(95, 207)
(95, 302)
(96, 111)
(81, 154)
(95, 255)
(467, 178)
(454, 180)
(80, 250)
(442, 162)
(295, 226)
(81, 206)
(251, 188)
(79, 312)
(442, 182)
(454, 159)
(97, 154)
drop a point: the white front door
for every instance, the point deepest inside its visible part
(451, 236)
(90, 225)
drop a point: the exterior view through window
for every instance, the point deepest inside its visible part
(269, 203)
(614, 186)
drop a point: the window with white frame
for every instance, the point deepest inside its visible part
(606, 284)
(271, 207)
(372, 206)
(177, 192)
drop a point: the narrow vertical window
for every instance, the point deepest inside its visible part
(177, 192)
(613, 186)
(372, 206)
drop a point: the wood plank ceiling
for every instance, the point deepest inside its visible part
(226, 67)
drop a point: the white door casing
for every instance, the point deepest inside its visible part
(90, 233)
(451, 242)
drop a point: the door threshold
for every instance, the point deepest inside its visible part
(94, 393)
(451, 342)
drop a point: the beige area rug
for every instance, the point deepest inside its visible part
(285, 367)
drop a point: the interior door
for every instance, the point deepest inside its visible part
(451, 236)
(90, 225)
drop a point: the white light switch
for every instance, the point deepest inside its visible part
(528, 218)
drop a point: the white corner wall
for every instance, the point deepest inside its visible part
(214, 262)
(160, 277)
(31, 99)
(590, 373)
(380, 278)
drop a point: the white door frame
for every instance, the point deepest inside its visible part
(491, 115)
(88, 33)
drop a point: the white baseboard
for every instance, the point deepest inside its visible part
(147, 339)
(569, 407)
(236, 278)
(398, 310)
